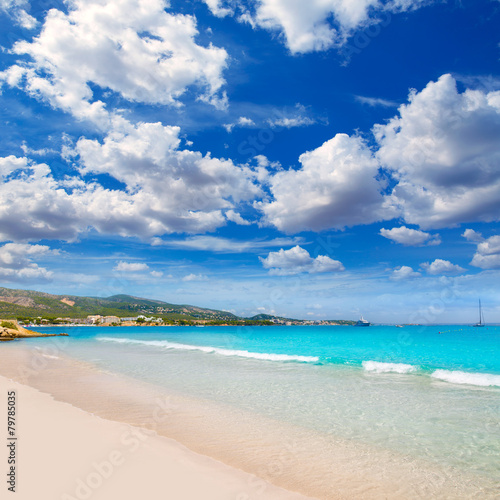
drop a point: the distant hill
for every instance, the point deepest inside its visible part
(24, 304)
(28, 303)
(269, 317)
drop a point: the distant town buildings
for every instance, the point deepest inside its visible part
(108, 320)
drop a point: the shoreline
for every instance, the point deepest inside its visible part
(292, 458)
(85, 455)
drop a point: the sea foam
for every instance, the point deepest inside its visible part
(459, 377)
(216, 350)
(378, 367)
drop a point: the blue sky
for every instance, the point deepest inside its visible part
(312, 159)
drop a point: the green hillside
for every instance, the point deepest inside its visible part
(28, 303)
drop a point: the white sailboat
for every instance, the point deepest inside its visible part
(481, 317)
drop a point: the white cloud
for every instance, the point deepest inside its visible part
(376, 101)
(180, 190)
(166, 189)
(241, 122)
(216, 8)
(487, 254)
(275, 118)
(410, 237)
(299, 116)
(132, 47)
(61, 209)
(337, 186)
(16, 262)
(444, 151)
(195, 277)
(313, 25)
(225, 245)
(404, 273)
(236, 218)
(17, 9)
(489, 246)
(440, 266)
(156, 274)
(471, 235)
(130, 267)
(36, 152)
(297, 260)
(47, 210)
(291, 122)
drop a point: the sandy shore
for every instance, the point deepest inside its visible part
(65, 453)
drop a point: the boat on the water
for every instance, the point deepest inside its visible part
(481, 317)
(362, 322)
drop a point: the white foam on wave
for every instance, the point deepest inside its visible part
(459, 377)
(378, 367)
(216, 350)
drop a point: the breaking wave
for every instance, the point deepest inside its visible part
(164, 344)
(459, 377)
(378, 367)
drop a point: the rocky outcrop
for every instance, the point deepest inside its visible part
(19, 301)
(18, 332)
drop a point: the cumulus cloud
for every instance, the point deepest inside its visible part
(314, 25)
(145, 54)
(487, 254)
(17, 262)
(297, 260)
(181, 190)
(440, 266)
(18, 10)
(443, 150)
(404, 273)
(34, 206)
(471, 235)
(132, 47)
(337, 186)
(410, 237)
(156, 274)
(130, 267)
(167, 190)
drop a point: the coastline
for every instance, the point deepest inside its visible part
(11, 330)
(274, 453)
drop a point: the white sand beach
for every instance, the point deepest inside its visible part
(65, 453)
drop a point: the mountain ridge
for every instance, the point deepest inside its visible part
(24, 304)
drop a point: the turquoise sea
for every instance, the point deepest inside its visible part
(432, 392)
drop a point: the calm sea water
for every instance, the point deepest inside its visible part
(431, 391)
